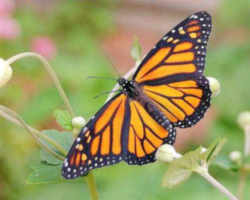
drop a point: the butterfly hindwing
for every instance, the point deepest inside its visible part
(99, 142)
(172, 73)
(145, 135)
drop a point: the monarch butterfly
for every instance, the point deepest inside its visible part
(168, 90)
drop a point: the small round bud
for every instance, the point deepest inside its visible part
(166, 153)
(203, 149)
(214, 85)
(235, 156)
(5, 72)
(244, 119)
(78, 122)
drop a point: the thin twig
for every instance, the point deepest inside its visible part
(247, 140)
(204, 173)
(15, 118)
(51, 73)
(242, 183)
(92, 186)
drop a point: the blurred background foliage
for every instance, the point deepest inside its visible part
(71, 32)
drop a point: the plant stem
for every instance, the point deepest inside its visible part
(13, 117)
(247, 141)
(204, 173)
(51, 73)
(242, 183)
(16, 119)
(92, 186)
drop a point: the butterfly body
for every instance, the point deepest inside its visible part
(168, 90)
(135, 92)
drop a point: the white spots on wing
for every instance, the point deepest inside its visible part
(165, 37)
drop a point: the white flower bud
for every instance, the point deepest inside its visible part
(5, 72)
(78, 122)
(203, 149)
(244, 119)
(166, 153)
(214, 85)
(235, 156)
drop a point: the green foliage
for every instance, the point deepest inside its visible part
(65, 139)
(225, 163)
(48, 170)
(210, 154)
(44, 174)
(64, 119)
(193, 161)
(48, 159)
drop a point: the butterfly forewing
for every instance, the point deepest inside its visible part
(172, 73)
(99, 142)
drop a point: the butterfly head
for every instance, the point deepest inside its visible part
(128, 87)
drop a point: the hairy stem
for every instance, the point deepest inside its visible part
(247, 141)
(16, 119)
(203, 171)
(242, 183)
(92, 186)
(51, 73)
(11, 116)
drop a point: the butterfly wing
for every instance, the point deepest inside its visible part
(172, 73)
(99, 142)
(145, 135)
(121, 130)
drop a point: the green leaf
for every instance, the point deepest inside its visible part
(43, 174)
(64, 119)
(181, 169)
(48, 159)
(65, 139)
(175, 175)
(225, 163)
(136, 50)
(213, 150)
(246, 159)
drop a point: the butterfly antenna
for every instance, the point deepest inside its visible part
(101, 77)
(107, 92)
(112, 63)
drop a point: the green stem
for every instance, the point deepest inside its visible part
(90, 177)
(203, 171)
(75, 132)
(51, 73)
(242, 183)
(247, 140)
(16, 119)
(92, 186)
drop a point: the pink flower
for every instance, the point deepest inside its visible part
(44, 46)
(9, 28)
(6, 7)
